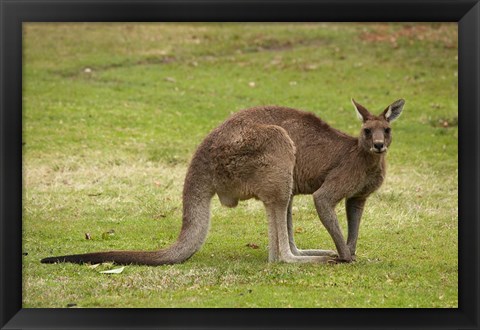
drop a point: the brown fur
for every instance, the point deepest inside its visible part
(271, 154)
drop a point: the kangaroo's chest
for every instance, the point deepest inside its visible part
(372, 180)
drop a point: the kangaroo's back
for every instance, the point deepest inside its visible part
(318, 146)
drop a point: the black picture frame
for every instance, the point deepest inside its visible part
(16, 12)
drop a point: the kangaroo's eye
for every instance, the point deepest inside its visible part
(387, 130)
(367, 131)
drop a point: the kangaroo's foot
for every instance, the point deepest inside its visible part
(326, 253)
(338, 260)
(291, 258)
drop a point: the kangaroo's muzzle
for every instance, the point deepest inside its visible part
(378, 147)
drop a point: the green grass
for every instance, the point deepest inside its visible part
(113, 112)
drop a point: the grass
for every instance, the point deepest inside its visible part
(113, 112)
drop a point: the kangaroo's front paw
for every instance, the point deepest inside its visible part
(338, 260)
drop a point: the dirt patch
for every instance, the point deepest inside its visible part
(91, 70)
(446, 34)
(261, 44)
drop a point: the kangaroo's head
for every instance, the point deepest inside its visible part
(376, 135)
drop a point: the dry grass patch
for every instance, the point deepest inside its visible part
(442, 34)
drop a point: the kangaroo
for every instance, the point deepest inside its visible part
(273, 153)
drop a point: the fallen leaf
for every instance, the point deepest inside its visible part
(299, 230)
(252, 245)
(113, 271)
(93, 266)
(108, 234)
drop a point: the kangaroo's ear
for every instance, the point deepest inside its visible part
(362, 112)
(394, 110)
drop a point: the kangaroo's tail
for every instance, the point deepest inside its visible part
(197, 195)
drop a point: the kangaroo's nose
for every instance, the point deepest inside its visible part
(378, 145)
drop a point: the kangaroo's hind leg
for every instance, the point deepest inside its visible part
(277, 214)
(273, 186)
(291, 240)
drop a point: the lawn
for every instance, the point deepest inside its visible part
(113, 112)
